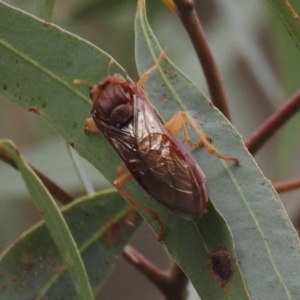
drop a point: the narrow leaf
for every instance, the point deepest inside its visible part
(55, 222)
(267, 246)
(42, 83)
(289, 18)
(46, 8)
(32, 267)
(39, 63)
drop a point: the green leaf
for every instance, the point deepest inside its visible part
(32, 267)
(267, 246)
(39, 63)
(42, 82)
(46, 8)
(289, 19)
(55, 222)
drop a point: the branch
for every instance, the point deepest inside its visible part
(172, 283)
(58, 193)
(273, 123)
(287, 185)
(188, 16)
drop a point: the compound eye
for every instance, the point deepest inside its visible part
(121, 115)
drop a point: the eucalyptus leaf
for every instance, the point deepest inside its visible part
(39, 63)
(43, 83)
(55, 222)
(289, 18)
(32, 267)
(267, 246)
(46, 8)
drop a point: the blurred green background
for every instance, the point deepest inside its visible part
(259, 65)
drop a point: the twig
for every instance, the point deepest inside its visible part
(273, 123)
(287, 185)
(172, 283)
(188, 16)
(58, 193)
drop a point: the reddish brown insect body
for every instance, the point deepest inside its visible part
(155, 158)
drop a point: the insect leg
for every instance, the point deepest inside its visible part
(90, 126)
(122, 169)
(146, 75)
(118, 183)
(179, 121)
(84, 82)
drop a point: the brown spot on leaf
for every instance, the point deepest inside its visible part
(17, 152)
(58, 269)
(34, 110)
(71, 144)
(220, 265)
(15, 280)
(28, 265)
(164, 99)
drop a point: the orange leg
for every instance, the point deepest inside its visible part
(119, 185)
(110, 64)
(122, 177)
(84, 82)
(122, 169)
(146, 75)
(90, 126)
(180, 121)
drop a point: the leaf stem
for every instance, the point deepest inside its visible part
(172, 283)
(287, 185)
(188, 16)
(57, 192)
(273, 123)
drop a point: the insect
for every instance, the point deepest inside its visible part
(149, 149)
